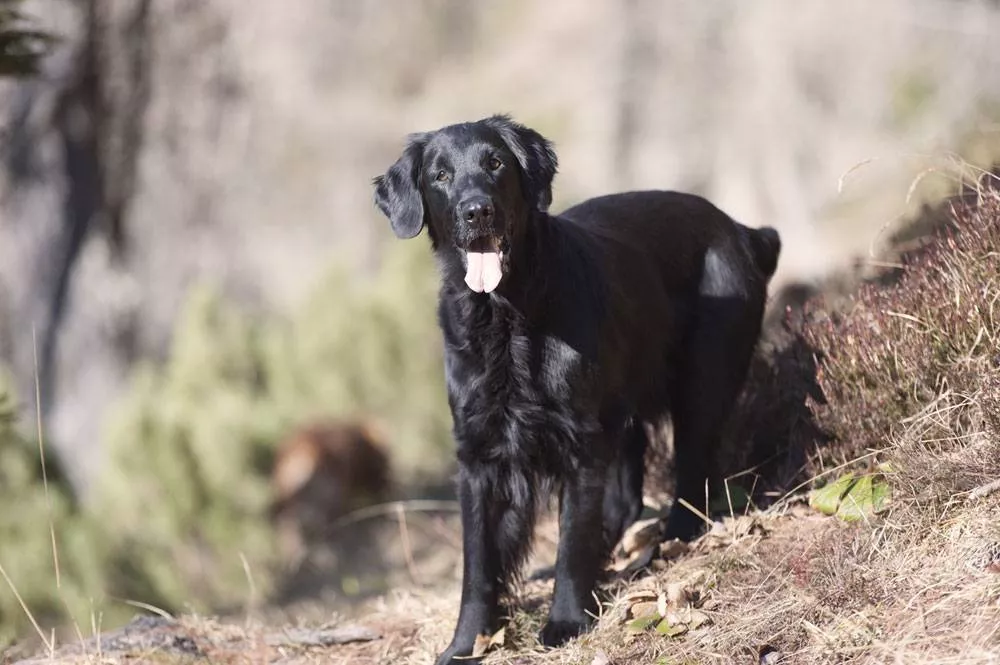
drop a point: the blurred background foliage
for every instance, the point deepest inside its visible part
(190, 446)
(26, 551)
(185, 216)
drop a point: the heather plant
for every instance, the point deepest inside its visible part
(934, 332)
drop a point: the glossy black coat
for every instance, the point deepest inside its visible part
(625, 309)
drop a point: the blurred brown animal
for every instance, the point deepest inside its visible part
(321, 472)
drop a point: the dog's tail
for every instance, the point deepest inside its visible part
(765, 243)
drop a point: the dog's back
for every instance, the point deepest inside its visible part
(675, 227)
(661, 254)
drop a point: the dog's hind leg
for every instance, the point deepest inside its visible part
(623, 491)
(716, 358)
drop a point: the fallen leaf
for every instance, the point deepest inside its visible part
(600, 658)
(697, 619)
(881, 494)
(676, 594)
(670, 630)
(498, 638)
(641, 535)
(826, 499)
(867, 496)
(716, 538)
(661, 604)
(643, 609)
(673, 548)
(642, 623)
(483, 643)
(636, 562)
(641, 594)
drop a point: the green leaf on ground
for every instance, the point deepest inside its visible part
(852, 498)
(826, 499)
(642, 624)
(671, 629)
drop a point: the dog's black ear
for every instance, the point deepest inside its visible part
(397, 193)
(534, 154)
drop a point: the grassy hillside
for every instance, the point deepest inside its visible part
(906, 569)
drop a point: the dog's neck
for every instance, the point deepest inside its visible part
(551, 275)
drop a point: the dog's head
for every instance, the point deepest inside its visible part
(475, 186)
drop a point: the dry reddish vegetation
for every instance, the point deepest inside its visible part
(904, 378)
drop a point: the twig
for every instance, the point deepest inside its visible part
(323, 637)
(404, 535)
(45, 487)
(41, 455)
(384, 509)
(984, 490)
(49, 644)
(149, 608)
(448, 534)
(694, 510)
(252, 596)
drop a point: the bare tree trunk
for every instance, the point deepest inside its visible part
(93, 125)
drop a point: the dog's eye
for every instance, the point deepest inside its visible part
(494, 163)
(441, 176)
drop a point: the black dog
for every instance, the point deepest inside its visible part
(562, 335)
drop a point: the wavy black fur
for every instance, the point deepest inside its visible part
(625, 309)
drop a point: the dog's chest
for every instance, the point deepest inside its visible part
(517, 398)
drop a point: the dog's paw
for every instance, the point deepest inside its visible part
(556, 633)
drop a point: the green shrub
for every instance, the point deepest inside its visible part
(182, 497)
(369, 348)
(186, 494)
(27, 524)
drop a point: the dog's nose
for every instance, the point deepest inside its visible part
(476, 211)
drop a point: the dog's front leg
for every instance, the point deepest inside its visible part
(482, 572)
(582, 550)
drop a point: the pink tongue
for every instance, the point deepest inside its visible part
(483, 272)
